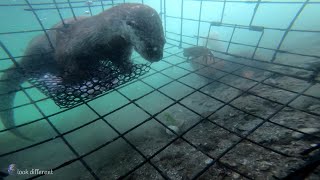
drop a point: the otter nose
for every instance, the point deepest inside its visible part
(155, 49)
(156, 57)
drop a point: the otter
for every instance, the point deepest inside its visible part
(78, 45)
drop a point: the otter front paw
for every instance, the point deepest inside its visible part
(125, 67)
(72, 73)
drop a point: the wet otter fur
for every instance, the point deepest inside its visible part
(79, 45)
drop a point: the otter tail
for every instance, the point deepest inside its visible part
(9, 83)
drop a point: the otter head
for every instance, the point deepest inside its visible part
(147, 35)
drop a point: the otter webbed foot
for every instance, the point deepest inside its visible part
(125, 68)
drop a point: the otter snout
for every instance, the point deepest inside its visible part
(156, 58)
(154, 54)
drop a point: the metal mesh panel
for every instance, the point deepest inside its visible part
(100, 80)
(243, 117)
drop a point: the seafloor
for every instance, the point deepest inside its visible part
(241, 115)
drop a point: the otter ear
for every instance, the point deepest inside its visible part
(65, 29)
(63, 32)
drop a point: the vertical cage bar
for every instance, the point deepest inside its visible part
(255, 49)
(102, 6)
(288, 29)
(39, 21)
(72, 11)
(60, 15)
(234, 28)
(254, 12)
(89, 6)
(6, 50)
(165, 18)
(222, 13)
(200, 12)
(181, 24)
(208, 36)
(161, 9)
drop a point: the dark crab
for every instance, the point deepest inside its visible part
(198, 51)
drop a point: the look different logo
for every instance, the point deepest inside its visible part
(12, 169)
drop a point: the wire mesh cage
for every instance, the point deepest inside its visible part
(250, 113)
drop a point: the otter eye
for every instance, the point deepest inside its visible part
(137, 25)
(132, 23)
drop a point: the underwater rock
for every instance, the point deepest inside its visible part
(298, 135)
(271, 81)
(232, 114)
(208, 161)
(174, 128)
(173, 123)
(235, 175)
(233, 164)
(207, 104)
(315, 107)
(265, 166)
(251, 109)
(315, 66)
(249, 125)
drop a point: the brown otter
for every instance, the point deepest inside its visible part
(79, 45)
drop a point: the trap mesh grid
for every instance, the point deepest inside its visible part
(241, 115)
(104, 78)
